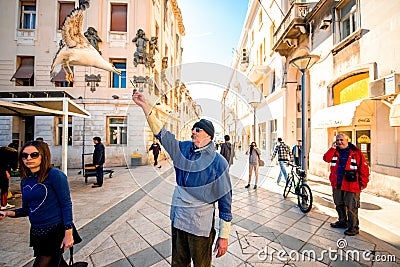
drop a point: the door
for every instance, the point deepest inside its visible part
(29, 128)
(363, 142)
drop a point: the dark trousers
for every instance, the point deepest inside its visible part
(187, 247)
(99, 175)
(4, 195)
(155, 159)
(347, 204)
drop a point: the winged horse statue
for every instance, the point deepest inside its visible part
(75, 49)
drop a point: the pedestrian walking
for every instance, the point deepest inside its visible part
(283, 151)
(202, 179)
(297, 153)
(46, 200)
(227, 150)
(8, 162)
(156, 148)
(349, 175)
(254, 161)
(99, 158)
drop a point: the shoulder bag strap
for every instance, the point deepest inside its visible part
(71, 256)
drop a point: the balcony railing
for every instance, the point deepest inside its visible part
(292, 25)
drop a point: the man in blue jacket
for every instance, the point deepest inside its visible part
(202, 178)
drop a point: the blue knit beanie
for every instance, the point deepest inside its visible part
(207, 126)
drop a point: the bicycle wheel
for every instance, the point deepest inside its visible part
(304, 198)
(288, 185)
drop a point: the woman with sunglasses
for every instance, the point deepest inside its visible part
(46, 200)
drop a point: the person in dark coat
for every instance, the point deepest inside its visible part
(9, 160)
(297, 153)
(99, 157)
(227, 150)
(156, 151)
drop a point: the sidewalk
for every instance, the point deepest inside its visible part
(126, 223)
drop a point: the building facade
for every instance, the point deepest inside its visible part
(355, 83)
(353, 87)
(30, 38)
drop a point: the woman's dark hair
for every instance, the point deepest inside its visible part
(45, 167)
(252, 145)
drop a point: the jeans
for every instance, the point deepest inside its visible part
(282, 165)
(99, 175)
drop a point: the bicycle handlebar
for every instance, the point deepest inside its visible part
(292, 165)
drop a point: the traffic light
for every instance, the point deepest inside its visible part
(245, 56)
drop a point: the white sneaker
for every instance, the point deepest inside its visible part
(8, 206)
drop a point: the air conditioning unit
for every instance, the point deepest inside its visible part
(388, 85)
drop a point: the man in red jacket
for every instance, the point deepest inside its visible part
(349, 175)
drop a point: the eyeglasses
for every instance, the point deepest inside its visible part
(197, 129)
(33, 155)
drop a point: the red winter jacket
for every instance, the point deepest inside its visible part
(356, 162)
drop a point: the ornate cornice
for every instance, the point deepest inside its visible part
(178, 15)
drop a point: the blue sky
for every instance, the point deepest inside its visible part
(213, 29)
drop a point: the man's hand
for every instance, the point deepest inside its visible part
(141, 101)
(221, 246)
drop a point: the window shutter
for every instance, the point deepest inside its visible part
(119, 18)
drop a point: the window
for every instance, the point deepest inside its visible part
(273, 133)
(348, 19)
(117, 130)
(64, 8)
(119, 17)
(272, 82)
(28, 15)
(271, 35)
(24, 76)
(166, 13)
(262, 135)
(157, 30)
(116, 80)
(59, 121)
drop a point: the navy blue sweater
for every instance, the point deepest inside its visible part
(48, 203)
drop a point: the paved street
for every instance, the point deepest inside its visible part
(126, 223)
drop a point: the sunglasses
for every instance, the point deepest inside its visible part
(197, 129)
(33, 155)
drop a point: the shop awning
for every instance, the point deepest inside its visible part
(394, 117)
(25, 71)
(60, 77)
(40, 107)
(359, 112)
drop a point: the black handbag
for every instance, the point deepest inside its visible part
(350, 176)
(71, 260)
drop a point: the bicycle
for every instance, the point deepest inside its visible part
(296, 184)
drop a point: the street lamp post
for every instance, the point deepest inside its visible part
(303, 63)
